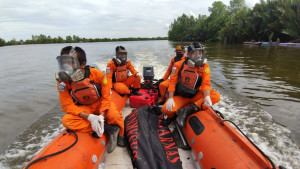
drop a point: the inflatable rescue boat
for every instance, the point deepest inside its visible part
(217, 144)
(74, 149)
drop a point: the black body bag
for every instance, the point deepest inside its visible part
(150, 144)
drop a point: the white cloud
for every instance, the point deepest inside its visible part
(95, 18)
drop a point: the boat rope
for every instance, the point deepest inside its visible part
(223, 120)
(148, 84)
(69, 131)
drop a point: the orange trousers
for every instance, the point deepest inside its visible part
(122, 87)
(198, 100)
(112, 116)
(163, 88)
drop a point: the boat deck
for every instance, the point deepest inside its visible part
(119, 158)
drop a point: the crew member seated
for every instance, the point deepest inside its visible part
(165, 81)
(117, 74)
(85, 98)
(189, 84)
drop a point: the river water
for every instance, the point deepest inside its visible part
(259, 88)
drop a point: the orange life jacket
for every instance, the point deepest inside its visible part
(188, 76)
(189, 81)
(85, 92)
(121, 73)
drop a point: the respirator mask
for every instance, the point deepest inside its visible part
(69, 68)
(196, 57)
(121, 57)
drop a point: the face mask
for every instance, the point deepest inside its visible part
(190, 63)
(62, 77)
(77, 75)
(121, 61)
(74, 77)
(198, 60)
(121, 58)
(69, 69)
(179, 55)
(195, 58)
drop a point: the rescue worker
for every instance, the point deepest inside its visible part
(85, 98)
(164, 82)
(117, 74)
(190, 82)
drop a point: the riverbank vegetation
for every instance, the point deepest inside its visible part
(236, 23)
(43, 39)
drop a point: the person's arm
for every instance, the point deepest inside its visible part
(171, 94)
(106, 98)
(105, 91)
(110, 68)
(168, 72)
(131, 68)
(206, 93)
(174, 78)
(67, 104)
(205, 86)
(172, 86)
(83, 115)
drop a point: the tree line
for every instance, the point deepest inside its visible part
(43, 39)
(236, 23)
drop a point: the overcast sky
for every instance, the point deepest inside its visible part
(20, 19)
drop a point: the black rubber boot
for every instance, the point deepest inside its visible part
(112, 131)
(158, 82)
(135, 91)
(184, 113)
(121, 141)
(168, 121)
(161, 102)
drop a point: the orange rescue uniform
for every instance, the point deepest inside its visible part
(163, 86)
(72, 121)
(121, 86)
(198, 99)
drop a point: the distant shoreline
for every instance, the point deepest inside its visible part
(43, 39)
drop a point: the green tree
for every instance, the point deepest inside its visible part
(182, 28)
(60, 40)
(268, 20)
(12, 42)
(41, 39)
(2, 42)
(49, 39)
(69, 39)
(216, 21)
(236, 6)
(291, 19)
(76, 38)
